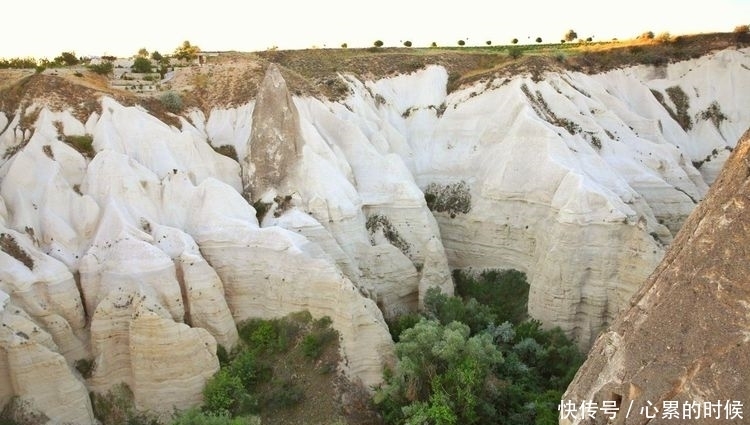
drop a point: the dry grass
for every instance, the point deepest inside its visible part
(232, 78)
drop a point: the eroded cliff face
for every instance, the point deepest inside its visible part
(684, 338)
(578, 180)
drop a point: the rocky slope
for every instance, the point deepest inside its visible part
(684, 338)
(143, 250)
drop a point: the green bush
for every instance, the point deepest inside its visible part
(505, 292)
(514, 41)
(458, 366)
(116, 408)
(407, 43)
(378, 43)
(461, 43)
(83, 144)
(103, 68)
(142, 65)
(172, 101)
(284, 394)
(223, 393)
(515, 52)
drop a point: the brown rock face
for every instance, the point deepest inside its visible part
(275, 139)
(685, 338)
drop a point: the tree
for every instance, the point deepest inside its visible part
(742, 29)
(142, 52)
(155, 55)
(461, 43)
(570, 35)
(67, 58)
(142, 65)
(441, 376)
(378, 43)
(434, 44)
(488, 42)
(344, 45)
(539, 39)
(407, 43)
(186, 51)
(514, 41)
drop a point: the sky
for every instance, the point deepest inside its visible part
(45, 28)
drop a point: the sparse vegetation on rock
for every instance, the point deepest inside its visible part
(103, 68)
(380, 223)
(9, 246)
(454, 198)
(82, 143)
(172, 101)
(713, 113)
(255, 379)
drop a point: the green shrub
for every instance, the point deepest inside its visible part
(83, 144)
(514, 41)
(172, 101)
(116, 408)
(407, 43)
(452, 372)
(461, 43)
(538, 39)
(223, 393)
(284, 394)
(344, 45)
(505, 292)
(378, 43)
(515, 52)
(103, 68)
(321, 336)
(250, 371)
(142, 65)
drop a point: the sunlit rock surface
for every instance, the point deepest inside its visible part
(579, 180)
(684, 337)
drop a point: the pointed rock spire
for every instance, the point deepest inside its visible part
(276, 138)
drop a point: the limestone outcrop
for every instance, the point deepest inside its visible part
(363, 204)
(684, 338)
(275, 140)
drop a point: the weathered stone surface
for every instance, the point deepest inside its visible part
(33, 370)
(685, 336)
(275, 136)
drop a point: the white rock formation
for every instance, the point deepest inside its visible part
(577, 180)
